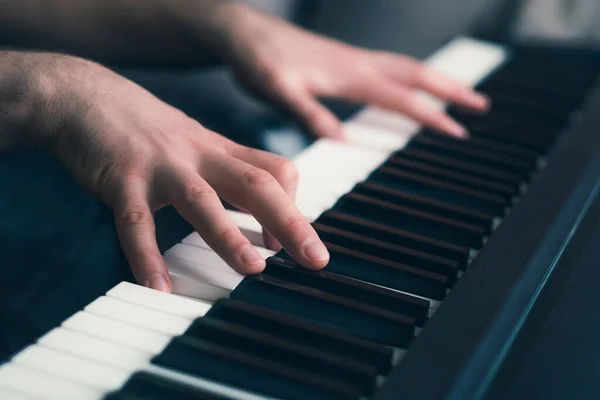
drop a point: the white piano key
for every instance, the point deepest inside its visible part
(249, 227)
(194, 239)
(464, 59)
(468, 60)
(370, 136)
(117, 332)
(10, 394)
(329, 169)
(185, 286)
(207, 257)
(88, 347)
(64, 365)
(95, 355)
(134, 314)
(169, 303)
(199, 271)
(43, 386)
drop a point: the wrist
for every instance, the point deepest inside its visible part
(216, 25)
(22, 103)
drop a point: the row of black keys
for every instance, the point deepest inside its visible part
(274, 353)
(413, 223)
(410, 226)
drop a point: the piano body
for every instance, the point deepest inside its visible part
(459, 269)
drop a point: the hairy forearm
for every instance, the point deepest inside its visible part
(188, 32)
(34, 99)
(18, 100)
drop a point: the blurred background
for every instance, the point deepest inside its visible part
(416, 28)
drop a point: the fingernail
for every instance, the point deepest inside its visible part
(158, 282)
(250, 256)
(315, 250)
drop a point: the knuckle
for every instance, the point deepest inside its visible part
(135, 217)
(198, 192)
(296, 222)
(258, 177)
(229, 234)
(286, 172)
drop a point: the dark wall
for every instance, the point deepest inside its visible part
(415, 27)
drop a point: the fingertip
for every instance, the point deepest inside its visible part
(455, 129)
(159, 282)
(316, 253)
(252, 262)
(480, 102)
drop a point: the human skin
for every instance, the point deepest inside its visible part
(138, 154)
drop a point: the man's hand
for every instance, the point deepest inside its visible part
(291, 68)
(138, 154)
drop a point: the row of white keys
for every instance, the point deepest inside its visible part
(328, 169)
(96, 350)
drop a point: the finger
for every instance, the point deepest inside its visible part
(259, 192)
(199, 204)
(135, 228)
(405, 101)
(411, 72)
(311, 114)
(282, 169)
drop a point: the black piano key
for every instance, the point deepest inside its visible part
(560, 106)
(532, 138)
(557, 113)
(338, 285)
(280, 350)
(326, 309)
(390, 274)
(519, 121)
(462, 166)
(419, 222)
(389, 234)
(326, 340)
(538, 83)
(421, 185)
(211, 361)
(488, 144)
(425, 204)
(147, 386)
(389, 251)
(123, 396)
(487, 159)
(428, 186)
(459, 178)
(507, 108)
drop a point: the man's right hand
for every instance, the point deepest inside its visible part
(138, 154)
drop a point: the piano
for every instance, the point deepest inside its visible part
(448, 261)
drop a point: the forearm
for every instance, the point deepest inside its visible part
(188, 32)
(26, 121)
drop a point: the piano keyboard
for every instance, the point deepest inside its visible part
(403, 213)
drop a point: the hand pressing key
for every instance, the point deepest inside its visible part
(138, 154)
